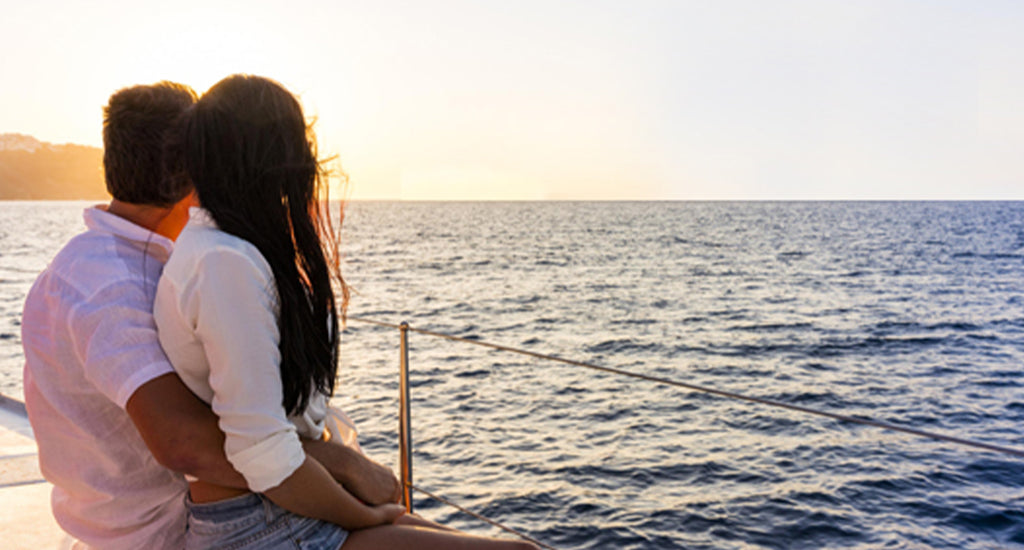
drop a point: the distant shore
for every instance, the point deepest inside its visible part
(34, 170)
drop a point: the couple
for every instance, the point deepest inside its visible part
(243, 315)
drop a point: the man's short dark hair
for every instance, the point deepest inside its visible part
(136, 124)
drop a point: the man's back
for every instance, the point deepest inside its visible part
(90, 342)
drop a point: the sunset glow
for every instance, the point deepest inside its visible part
(575, 100)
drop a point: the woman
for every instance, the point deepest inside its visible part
(248, 316)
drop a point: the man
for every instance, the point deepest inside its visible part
(115, 426)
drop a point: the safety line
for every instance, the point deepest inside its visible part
(732, 395)
(484, 519)
(21, 483)
(13, 405)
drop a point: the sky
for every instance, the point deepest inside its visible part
(574, 99)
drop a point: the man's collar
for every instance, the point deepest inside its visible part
(98, 219)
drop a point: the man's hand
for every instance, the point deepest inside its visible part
(368, 481)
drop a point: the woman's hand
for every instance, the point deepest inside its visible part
(311, 491)
(369, 481)
(388, 513)
(376, 486)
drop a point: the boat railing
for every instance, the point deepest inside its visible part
(405, 413)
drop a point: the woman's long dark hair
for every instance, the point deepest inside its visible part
(252, 158)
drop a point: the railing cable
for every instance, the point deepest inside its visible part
(704, 389)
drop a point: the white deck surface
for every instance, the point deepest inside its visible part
(25, 518)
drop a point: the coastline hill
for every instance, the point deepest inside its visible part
(35, 170)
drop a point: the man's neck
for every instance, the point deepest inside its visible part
(167, 221)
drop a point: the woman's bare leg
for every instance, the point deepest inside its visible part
(407, 537)
(419, 521)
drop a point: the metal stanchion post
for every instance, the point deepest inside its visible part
(405, 420)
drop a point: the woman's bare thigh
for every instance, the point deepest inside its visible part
(418, 521)
(407, 537)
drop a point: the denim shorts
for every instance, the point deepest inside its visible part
(252, 522)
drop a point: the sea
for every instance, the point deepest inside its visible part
(909, 313)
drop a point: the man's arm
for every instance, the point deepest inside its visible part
(182, 433)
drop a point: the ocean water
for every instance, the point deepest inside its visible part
(908, 313)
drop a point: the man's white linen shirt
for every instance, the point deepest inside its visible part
(90, 343)
(216, 309)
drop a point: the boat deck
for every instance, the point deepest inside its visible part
(25, 518)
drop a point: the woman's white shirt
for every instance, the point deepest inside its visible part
(216, 311)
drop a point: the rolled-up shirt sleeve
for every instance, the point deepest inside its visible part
(233, 307)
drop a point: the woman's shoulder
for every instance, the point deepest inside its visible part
(199, 244)
(205, 237)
